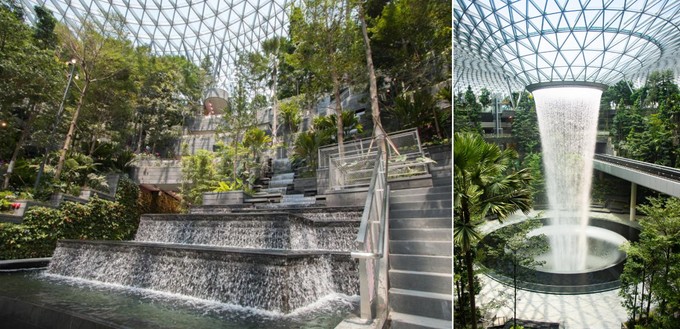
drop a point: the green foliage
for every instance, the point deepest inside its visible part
(325, 127)
(305, 151)
(166, 97)
(44, 29)
(411, 40)
(80, 170)
(484, 183)
(534, 162)
(127, 196)
(651, 269)
(514, 252)
(328, 45)
(289, 119)
(525, 126)
(199, 176)
(6, 200)
(467, 112)
(97, 220)
(646, 125)
(415, 110)
(229, 186)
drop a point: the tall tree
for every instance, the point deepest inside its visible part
(326, 41)
(378, 130)
(264, 67)
(243, 104)
(516, 247)
(29, 77)
(525, 126)
(651, 270)
(100, 55)
(412, 42)
(44, 28)
(166, 97)
(485, 183)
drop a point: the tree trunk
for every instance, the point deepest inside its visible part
(275, 101)
(469, 262)
(20, 144)
(378, 130)
(635, 294)
(514, 283)
(338, 113)
(461, 295)
(642, 293)
(436, 122)
(471, 288)
(93, 145)
(664, 301)
(71, 131)
(649, 297)
(139, 140)
(235, 167)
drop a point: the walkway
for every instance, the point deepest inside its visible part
(589, 311)
(660, 178)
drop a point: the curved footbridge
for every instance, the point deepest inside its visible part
(659, 178)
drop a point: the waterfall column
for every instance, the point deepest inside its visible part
(633, 200)
(567, 120)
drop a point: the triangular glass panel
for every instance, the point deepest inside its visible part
(593, 18)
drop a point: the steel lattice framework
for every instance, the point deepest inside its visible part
(192, 28)
(508, 44)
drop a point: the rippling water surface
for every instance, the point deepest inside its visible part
(141, 308)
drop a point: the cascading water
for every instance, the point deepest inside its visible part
(567, 118)
(272, 261)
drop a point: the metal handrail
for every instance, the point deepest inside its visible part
(372, 238)
(650, 168)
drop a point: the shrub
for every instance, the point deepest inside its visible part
(99, 219)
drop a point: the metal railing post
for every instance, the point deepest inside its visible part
(366, 312)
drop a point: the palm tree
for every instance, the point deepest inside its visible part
(484, 184)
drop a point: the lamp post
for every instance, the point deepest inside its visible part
(72, 64)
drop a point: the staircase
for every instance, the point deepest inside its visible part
(420, 274)
(280, 183)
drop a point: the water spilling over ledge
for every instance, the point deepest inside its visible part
(274, 280)
(273, 261)
(265, 230)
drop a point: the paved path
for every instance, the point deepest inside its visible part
(587, 311)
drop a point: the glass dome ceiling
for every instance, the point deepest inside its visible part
(191, 28)
(506, 44)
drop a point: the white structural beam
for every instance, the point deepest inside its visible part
(657, 183)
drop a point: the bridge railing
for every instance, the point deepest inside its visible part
(650, 168)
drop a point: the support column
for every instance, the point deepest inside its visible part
(633, 200)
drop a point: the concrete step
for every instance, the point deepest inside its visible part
(409, 321)
(442, 179)
(441, 283)
(298, 199)
(433, 248)
(420, 213)
(421, 205)
(394, 199)
(420, 303)
(432, 222)
(429, 234)
(444, 175)
(273, 190)
(421, 190)
(284, 176)
(436, 264)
